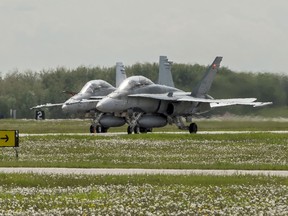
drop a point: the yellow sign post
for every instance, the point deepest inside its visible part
(10, 138)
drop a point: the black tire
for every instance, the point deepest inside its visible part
(136, 129)
(98, 129)
(129, 130)
(104, 129)
(193, 128)
(143, 130)
(92, 129)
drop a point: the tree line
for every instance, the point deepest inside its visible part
(21, 91)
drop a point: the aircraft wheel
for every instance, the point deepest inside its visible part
(98, 129)
(193, 128)
(143, 130)
(92, 129)
(136, 129)
(129, 130)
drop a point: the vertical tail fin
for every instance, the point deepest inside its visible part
(120, 73)
(165, 75)
(205, 84)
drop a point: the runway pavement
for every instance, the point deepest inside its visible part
(102, 171)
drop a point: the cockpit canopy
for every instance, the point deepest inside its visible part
(95, 85)
(134, 82)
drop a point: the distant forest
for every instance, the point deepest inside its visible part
(20, 91)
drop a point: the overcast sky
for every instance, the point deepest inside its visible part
(251, 35)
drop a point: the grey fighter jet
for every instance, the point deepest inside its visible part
(85, 101)
(93, 91)
(105, 120)
(146, 105)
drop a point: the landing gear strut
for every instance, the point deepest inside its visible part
(138, 130)
(192, 128)
(132, 121)
(96, 127)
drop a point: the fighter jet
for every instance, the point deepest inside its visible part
(104, 120)
(85, 101)
(146, 105)
(93, 91)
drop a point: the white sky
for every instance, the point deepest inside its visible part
(251, 35)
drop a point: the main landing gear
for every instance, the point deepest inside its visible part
(192, 128)
(95, 126)
(98, 129)
(138, 130)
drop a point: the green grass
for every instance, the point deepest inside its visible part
(82, 126)
(168, 151)
(30, 194)
(39, 180)
(45, 126)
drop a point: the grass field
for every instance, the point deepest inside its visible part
(173, 151)
(82, 126)
(31, 194)
(257, 150)
(28, 194)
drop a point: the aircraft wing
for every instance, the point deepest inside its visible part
(92, 99)
(186, 96)
(254, 104)
(227, 102)
(171, 96)
(47, 105)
